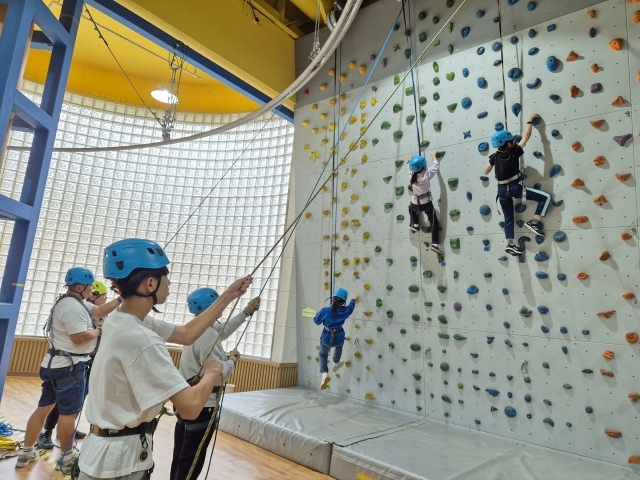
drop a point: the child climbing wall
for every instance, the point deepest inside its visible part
(422, 200)
(542, 347)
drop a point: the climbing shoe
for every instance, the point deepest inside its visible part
(325, 381)
(336, 366)
(534, 227)
(66, 461)
(414, 228)
(44, 441)
(26, 458)
(514, 250)
(436, 248)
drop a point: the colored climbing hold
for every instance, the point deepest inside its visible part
(582, 276)
(450, 76)
(555, 170)
(472, 290)
(631, 337)
(565, 350)
(466, 103)
(444, 336)
(455, 243)
(541, 257)
(542, 276)
(414, 289)
(498, 95)
(457, 306)
(525, 312)
(619, 101)
(480, 50)
(399, 191)
(415, 347)
(544, 329)
(389, 313)
(482, 115)
(596, 88)
(564, 330)
(490, 340)
(485, 210)
(552, 63)
(509, 411)
(444, 367)
(514, 73)
(459, 337)
(622, 139)
(483, 147)
(548, 421)
(575, 91)
(437, 126)
(496, 47)
(385, 125)
(616, 44)
(516, 108)
(543, 310)
(452, 107)
(534, 84)
(580, 220)
(492, 392)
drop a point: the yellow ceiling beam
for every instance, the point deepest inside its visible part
(310, 8)
(261, 54)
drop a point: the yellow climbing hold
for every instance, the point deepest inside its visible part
(367, 286)
(368, 340)
(347, 363)
(374, 100)
(342, 77)
(335, 248)
(355, 274)
(308, 357)
(357, 355)
(326, 285)
(362, 69)
(314, 130)
(307, 214)
(366, 259)
(365, 158)
(306, 147)
(352, 65)
(369, 396)
(323, 86)
(348, 390)
(324, 188)
(345, 210)
(355, 260)
(352, 120)
(363, 105)
(333, 150)
(326, 237)
(306, 122)
(343, 136)
(315, 155)
(332, 101)
(345, 238)
(366, 236)
(324, 141)
(345, 262)
(344, 224)
(353, 172)
(344, 185)
(355, 325)
(336, 274)
(342, 112)
(332, 126)
(309, 382)
(354, 197)
(364, 183)
(355, 222)
(323, 128)
(343, 97)
(369, 367)
(367, 314)
(353, 146)
(323, 116)
(365, 208)
(332, 72)
(326, 261)
(363, 118)
(348, 339)
(314, 106)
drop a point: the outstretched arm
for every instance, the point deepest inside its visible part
(488, 168)
(527, 131)
(104, 310)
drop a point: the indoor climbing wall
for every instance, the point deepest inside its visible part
(541, 348)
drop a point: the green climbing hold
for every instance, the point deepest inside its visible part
(387, 179)
(436, 43)
(396, 27)
(428, 304)
(415, 317)
(417, 376)
(459, 337)
(440, 258)
(415, 347)
(378, 302)
(403, 331)
(450, 49)
(389, 261)
(450, 27)
(399, 163)
(400, 218)
(387, 206)
(436, 67)
(389, 313)
(414, 289)
(392, 346)
(436, 96)
(399, 191)
(374, 142)
(380, 385)
(396, 80)
(426, 230)
(410, 119)
(397, 107)
(413, 259)
(407, 53)
(422, 15)
(437, 126)
(377, 249)
(422, 37)
(450, 76)
(389, 287)
(444, 367)
(436, 20)
(454, 213)
(442, 319)
(440, 154)
(455, 243)
(379, 329)
(397, 135)
(407, 33)
(422, 101)
(392, 372)
(423, 115)
(453, 182)
(436, 81)
(442, 288)
(460, 386)
(427, 274)
(444, 336)
(452, 107)
(525, 312)
(385, 125)
(408, 91)
(449, 3)
(455, 274)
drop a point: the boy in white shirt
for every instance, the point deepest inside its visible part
(133, 374)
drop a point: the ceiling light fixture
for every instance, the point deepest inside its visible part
(164, 95)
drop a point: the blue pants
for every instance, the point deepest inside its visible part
(324, 353)
(506, 194)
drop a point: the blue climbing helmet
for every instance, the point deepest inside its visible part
(342, 294)
(417, 164)
(501, 138)
(124, 256)
(79, 276)
(201, 299)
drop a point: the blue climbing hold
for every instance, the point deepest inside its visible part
(513, 2)
(544, 329)
(485, 210)
(480, 14)
(514, 73)
(540, 239)
(480, 50)
(506, 324)
(478, 421)
(534, 51)
(542, 276)
(494, 409)
(531, 6)
(499, 126)
(565, 350)
(547, 402)
(532, 33)
(551, 27)
(503, 258)
(545, 365)
(475, 372)
(483, 147)
(569, 424)
(496, 47)
(469, 229)
(498, 95)
(509, 377)
(466, 104)
(566, 386)
(465, 72)
(541, 257)
(482, 115)
(501, 224)
(527, 398)
(557, 203)
(484, 178)
(509, 394)
(486, 242)
(507, 342)
(520, 223)
(520, 207)
(469, 196)
(587, 370)
(559, 236)
(497, 63)
(465, 32)
(472, 290)
(564, 330)
(527, 379)
(476, 388)
(555, 170)
(490, 340)
(534, 84)
(492, 392)
(588, 410)
(474, 355)
(552, 63)
(509, 411)
(548, 421)
(505, 291)
(516, 109)
(522, 242)
(488, 275)
(562, 277)
(514, 40)
(555, 133)
(482, 82)
(542, 310)
(554, 97)
(536, 121)
(586, 332)
(496, 19)
(488, 307)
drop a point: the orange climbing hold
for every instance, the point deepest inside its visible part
(576, 146)
(575, 91)
(608, 354)
(634, 397)
(580, 220)
(629, 296)
(623, 177)
(595, 67)
(607, 314)
(600, 160)
(634, 1)
(572, 57)
(626, 236)
(634, 459)
(583, 276)
(604, 256)
(591, 14)
(606, 373)
(618, 101)
(577, 183)
(601, 200)
(636, 16)
(631, 337)
(616, 44)
(613, 433)
(596, 123)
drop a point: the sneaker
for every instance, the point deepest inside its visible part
(513, 250)
(336, 366)
(80, 435)
(436, 248)
(414, 228)
(534, 227)
(66, 461)
(325, 381)
(44, 441)
(26, 458)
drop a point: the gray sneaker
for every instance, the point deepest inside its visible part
(26, 458)
(65, 464)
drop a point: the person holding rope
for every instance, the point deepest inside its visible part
(133, 376)
(188, 434)
(72, 335)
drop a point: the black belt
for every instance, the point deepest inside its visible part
(333, 330)
(142, 429)
(191, 425)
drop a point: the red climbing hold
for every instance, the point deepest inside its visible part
(626, 236)
(616, 44)
(575, 91)
(604, 256)
(629, 296)
(575, 146)
(618, 101)
(606, 373)
(596, 123)
(613, 433)
(577, 183)
(580, 220)
(631, 337)
(601, 200)
(623, 177)
(600, 160)
(607, 314)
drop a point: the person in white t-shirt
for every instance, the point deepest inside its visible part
(189, 433)
(133, 374)
(72, 336)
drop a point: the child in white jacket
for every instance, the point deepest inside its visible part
(422, 201)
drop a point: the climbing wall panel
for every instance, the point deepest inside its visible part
(558, 323)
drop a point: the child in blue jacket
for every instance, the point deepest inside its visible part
(332, 318)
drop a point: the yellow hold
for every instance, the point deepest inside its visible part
(362, 69)
(374, 100)
(366, 259)
(345, 262)
(368, 340)
(356, 261)
(354, 197)
(364, 158)
(344, 185)
(343, 97)
(332, 101)
(332, 72)
(342, 112)
(306, 122)
(325, 213)
(345, 238)
(369, 367)
(355, 222)
(365, 208)
(363, 143)
(323, 86)
(314, 106)
(344, 224)
(323, 116)
(352, 65)
(307, 214)
(363, 118)
(315, 155)
(367, 314)
(352, 120)
(367, 286)
(342, 77)
(345, 210)
(369, 396)
(366, 236)
(363, 105)
(306, 147)
(314, 130)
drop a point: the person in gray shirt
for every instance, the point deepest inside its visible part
(189, 433)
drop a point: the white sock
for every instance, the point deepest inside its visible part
(27, 449)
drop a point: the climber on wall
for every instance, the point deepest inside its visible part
(422, 201)
(332, 318)
(507, 163)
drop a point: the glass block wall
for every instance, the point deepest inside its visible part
(94, 199)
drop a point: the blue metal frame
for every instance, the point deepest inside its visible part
(44, 122)
(158, 36)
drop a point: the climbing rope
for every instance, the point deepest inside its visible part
(504, 82)
(334, 186)
(407, 27)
